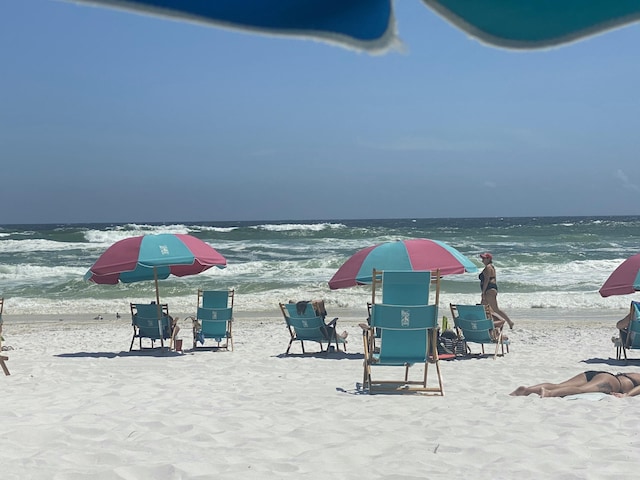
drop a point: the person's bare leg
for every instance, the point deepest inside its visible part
(578, 380)
(491, 297)
(603, 382)
(537, 389)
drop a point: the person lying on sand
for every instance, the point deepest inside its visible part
(618, 385)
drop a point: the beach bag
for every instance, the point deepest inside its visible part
(451, 343)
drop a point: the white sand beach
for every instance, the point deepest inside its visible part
(78, 405)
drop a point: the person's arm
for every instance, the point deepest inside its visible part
(624, 323)
(631, 393)
(485, 279)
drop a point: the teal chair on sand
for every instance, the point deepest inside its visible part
(631, 340)
(408, 336)
(214, 318)
(475, 324)
(152, 321)
(305, 325)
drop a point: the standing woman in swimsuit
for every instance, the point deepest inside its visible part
(489, 287)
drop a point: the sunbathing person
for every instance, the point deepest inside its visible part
(619, 385)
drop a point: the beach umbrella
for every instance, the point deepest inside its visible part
(370, 24)
(418, 254)
(153, 257)
(625, 279)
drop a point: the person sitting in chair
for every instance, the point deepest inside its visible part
(318, 308)
(623, 326)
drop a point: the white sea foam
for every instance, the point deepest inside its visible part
(298, 226)
(108, 237)
(354, 299)
(38, 245)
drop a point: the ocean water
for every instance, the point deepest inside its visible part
(542, 262)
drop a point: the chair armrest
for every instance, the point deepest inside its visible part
(332, 323)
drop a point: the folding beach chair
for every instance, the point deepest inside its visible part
(400, 288)
(632, 340)
(306, 325)
(408, 336)
(152, 321)
(475, 324)
(214, 318)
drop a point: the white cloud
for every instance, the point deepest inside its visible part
(626, 183)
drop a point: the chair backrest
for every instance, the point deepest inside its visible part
(144, 316)
(405, 288)
(404, 331)
(215, 298)
(306, 324)
(634, 326)
(474, 321)
(213, 321)
(471, 312)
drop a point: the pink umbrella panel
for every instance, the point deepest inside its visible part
(623, 280)
(418, 254)
(153, 257)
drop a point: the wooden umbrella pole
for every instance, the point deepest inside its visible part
(155, 279)
(158, 306)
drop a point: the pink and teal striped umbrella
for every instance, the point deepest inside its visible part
(153, 257)
(623, 280)
(418, 254)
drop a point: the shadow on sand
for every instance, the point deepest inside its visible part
(612, 361)
(147, 352)
(324, 355)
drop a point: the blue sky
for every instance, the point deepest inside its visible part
(110, 116)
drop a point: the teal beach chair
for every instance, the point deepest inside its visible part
(408, 336)
(305, 325)
(152, 321)
(632, 340)
(214, 318)
(475, 324)
(400, 288)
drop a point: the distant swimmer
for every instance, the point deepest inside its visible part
(99, 317)
(117, 315)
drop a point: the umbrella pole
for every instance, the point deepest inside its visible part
(155, 279)
(437, 287)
